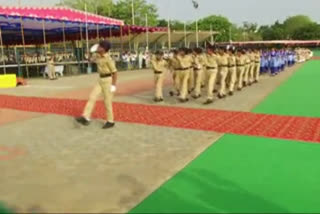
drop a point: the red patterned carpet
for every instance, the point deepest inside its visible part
(243, 123)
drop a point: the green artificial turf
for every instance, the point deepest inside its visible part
(240, 174)
(299, 96)
(316, 52)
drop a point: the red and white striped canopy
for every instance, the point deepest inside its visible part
(57, 14)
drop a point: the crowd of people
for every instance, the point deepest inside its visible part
(220, 70)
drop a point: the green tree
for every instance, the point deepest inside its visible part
(101, 7)
(218, 23)
(293, 23)
(309, 32)
(275, 32)
(122, 10)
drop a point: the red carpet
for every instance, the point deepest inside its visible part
(243, 123)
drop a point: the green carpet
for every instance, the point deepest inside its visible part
(240, 174)
(298, 96)
(316, 52)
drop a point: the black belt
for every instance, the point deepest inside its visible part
(257, 61)
(157, 72)
(223, 66)
(240, 65)
(105, 75)
(196, 69)
(231, 66)
(211, 67)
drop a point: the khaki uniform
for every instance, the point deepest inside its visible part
(51, 68)
(184, 73)
(241, 66)
(252, 67)
(232, 72)
(175, 67)
(191, 81)
(211, 64)
(257, 66)
(160, 68)
(199, 62)
(106, 67)
(223, 70)
(246, 70)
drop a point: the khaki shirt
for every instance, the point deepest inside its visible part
(211, 60)
(252, 57)
(247, 59)
(257, 58)
(105, 64)
(174, 63)
(223, 60)
(241, 60)
(159, 65)
(232, 60)
(186, 61)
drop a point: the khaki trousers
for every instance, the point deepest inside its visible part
(211, 77)
(199, 74)
(223, 75)
(104, 87)
(52, 72)
(158, 83)
(191, 80)
(204, 77)
(233, 78)
(257, 71)
(176, 81)
(251, 72)
(184, 78)
(240, 71)
(246, 73)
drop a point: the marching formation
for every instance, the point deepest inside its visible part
(219, 70)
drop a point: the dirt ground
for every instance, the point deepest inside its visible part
(51, 164)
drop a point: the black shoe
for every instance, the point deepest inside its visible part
(83, 121)
(157, 100)
(244, 84)
(221, 96)
(215, 91)
(202, 86)
(239, 89)
(196, 96)
(231, 93)
(208, 102)
(184, 100)
(171, 93)
(161, 100)
(256, 81)
(108, 125)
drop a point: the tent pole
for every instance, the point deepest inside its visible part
(121, 38)
(98, 35)
(169, 35)
(129, 39)
(64, 37)
(44, 37)
(185, 34)
(2, 52)
(24, 46)
(87, 41)
(147, 32)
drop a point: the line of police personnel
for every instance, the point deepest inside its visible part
(193, 69)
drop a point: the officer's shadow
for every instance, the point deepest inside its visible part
(208, 193)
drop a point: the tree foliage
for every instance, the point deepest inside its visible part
(120, 9)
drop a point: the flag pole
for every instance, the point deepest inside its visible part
(2, 52)
(169, 35)
(197, 33)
